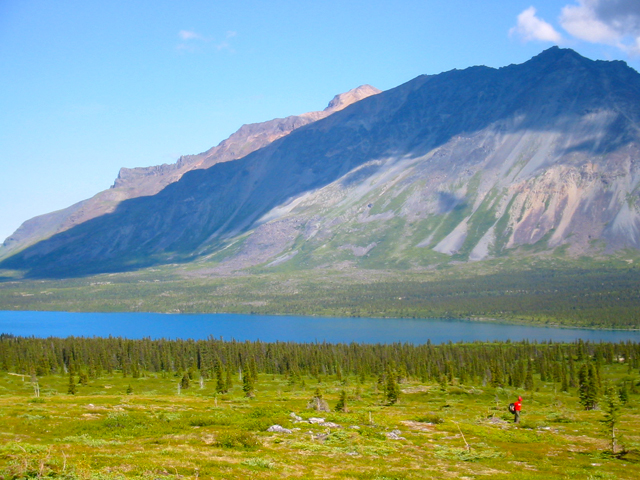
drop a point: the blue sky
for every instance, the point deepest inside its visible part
(88, 87)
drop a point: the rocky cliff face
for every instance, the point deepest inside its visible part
(249, 138)
(144, 181)
(465, 165)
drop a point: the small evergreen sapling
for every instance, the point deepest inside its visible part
(229, 379)
(611, 409)
(623, 392)
(221, 386)
(248, 385)
(392, 387)
(588, 386)
(318, 403)
(185, 382)
(72, 389)
(341, 406)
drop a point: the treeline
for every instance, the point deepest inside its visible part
(496, 364)
(604, 298)
(597, 297)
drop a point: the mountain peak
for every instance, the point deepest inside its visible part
(556, 54)
(354, 95)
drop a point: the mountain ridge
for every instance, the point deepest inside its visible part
(464, 165)
(144, 181)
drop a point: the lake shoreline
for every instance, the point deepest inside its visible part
(479, 319)
(296, 328)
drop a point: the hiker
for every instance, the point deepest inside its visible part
(517, 406)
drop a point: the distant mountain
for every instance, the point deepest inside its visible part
(144, 181)
(465, 165)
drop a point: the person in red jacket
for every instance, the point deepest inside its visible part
(517, 407)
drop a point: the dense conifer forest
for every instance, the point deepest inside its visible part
(498, 364)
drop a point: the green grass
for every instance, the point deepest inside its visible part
(458, 431)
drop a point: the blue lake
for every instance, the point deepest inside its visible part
(271, 328)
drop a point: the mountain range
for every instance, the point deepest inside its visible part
(461, 166)
(137, 182)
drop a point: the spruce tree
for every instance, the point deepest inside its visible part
(572, 371)
(611, 408)
(623, 392)
(228, 385)
(341, 406)
(588, 388)
(528, 381)
(248, 385)
(565, 382)
(496, 375)
(185, 382)
(392, 387)
(253, 368)
(463, 376)
(443, 382)
(72, 386)
(220, 382)
(594, 384)
(583, 375)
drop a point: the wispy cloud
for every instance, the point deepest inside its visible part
(192, 41)
(530, 28)
(607, 22)
(189, 35)
(225, 44)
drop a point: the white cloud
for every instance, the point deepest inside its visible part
(192, 42)
(530, 28)
(608, 22)
(582, 22)
(189, 35)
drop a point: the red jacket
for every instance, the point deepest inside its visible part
(518, 404)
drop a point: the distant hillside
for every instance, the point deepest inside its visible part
(461, 166)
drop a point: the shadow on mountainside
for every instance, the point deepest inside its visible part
(550, 92)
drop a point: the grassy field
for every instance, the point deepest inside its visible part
(122, 427)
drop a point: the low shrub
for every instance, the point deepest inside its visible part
(237, 439)
(258, 463)
(372, 432)
(430, 418)
(204, 420)
(261, 418)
